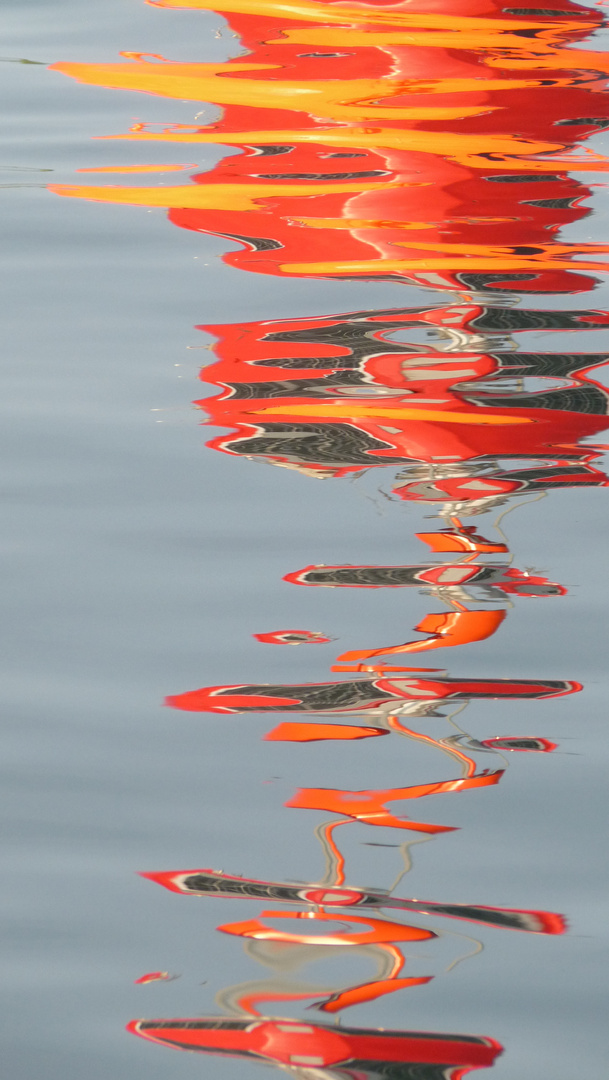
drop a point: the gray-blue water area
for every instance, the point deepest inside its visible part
(137, 563)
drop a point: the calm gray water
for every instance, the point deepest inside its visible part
(138, 563)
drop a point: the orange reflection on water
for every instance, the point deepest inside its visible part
(135, 168)
(441, 149)
(471, 121)
(369, 806)
(321, 732)
(399, 14)
(379, 932)
(447, 628)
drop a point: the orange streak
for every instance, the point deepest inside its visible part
(401, 266)
(469, 34)
(331, 99)
(451, 145)
(136, 168)
(316, 732)
(501, 250)
(563, 59)
(213, 196)
(312, 11)
(358, 995)
(351, 412)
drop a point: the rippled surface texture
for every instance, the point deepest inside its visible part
(381, 228)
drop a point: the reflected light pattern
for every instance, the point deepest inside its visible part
(292, 637)
(443, 146)
(334, 1054)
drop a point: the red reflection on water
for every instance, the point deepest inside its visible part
(461, 152)
(446, 576)
(522, 743)
(208, 882)
(154, 976)
(335, 395)
(441, 149)
(363, 696)
(292, 1044)
(292, 637)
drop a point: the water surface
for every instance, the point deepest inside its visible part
(399, 302)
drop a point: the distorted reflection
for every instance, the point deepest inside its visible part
(314, 1050)
(451, 416)
(292, 637)
(462, 182)
(155, 976)
(444, 149)
(321, 732)
(380, 697)
(217, 883)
